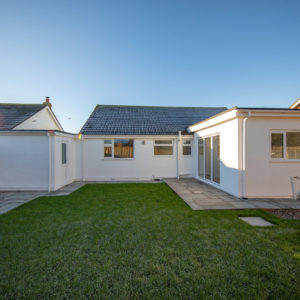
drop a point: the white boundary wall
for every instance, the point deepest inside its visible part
(24, 162)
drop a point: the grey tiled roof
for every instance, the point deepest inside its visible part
(145, 120)
(12, 115)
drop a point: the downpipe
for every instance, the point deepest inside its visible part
(177, 155)
(244, 195)
(50, 162)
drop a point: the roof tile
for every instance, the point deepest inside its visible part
(144, 120)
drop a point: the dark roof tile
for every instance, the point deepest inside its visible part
(145, 120)
(12, 115)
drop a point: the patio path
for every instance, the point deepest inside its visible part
(11, 200)
(201, 196)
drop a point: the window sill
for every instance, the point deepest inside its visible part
(163, 156)
(117, 159)
(284, 161)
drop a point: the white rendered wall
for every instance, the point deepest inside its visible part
(229, 155)
(24, 162)
(266, 177)
(144, 165)
(42, 120)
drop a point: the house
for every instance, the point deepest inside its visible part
(31, 145)
(247, 152)
(139, 142)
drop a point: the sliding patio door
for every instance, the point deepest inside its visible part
(207, 154)
(209, 158)
(216, 158)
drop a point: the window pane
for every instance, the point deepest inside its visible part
(63, 153)
(123, 148)
(107, 141)
(163, 150)
(200, 158)
(166, 142)
(107, 151)
(277, 145)
(188, 142)
(187, 150)
(216, 159)
(208, 158)
(293, 145)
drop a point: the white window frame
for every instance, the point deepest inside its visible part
(187, 145)
(112, 145)
(66, 161)
(162, 145)
(284, 158)
(211, 181)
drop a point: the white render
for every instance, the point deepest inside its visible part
(42, 120)
(24, 162)
(143, 166)
(267, 177)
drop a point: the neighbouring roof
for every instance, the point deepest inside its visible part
(296, 104)
(145, 120)
(12, 115)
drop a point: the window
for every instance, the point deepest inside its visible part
(123, 148)
(285, 145)
(277, 145)
(293, 145)
(187, 147)
(63, 153)
(107, 148)
(118, 148)
(163, 147)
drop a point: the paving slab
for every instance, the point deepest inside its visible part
(256, 221)
(11, 200)
(67, 189)
(201, 196)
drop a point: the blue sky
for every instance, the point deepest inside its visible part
(154, 52)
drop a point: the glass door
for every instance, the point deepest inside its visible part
(209, 158)
(216, 158)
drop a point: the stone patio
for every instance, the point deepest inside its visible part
(198, 195)
(201, 196)
(11, 200)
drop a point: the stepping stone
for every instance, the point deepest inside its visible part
(256, 221)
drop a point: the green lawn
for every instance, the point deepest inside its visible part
(142, 241)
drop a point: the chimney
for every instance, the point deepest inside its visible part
(47, 101)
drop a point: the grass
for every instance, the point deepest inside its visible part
(142, 241)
